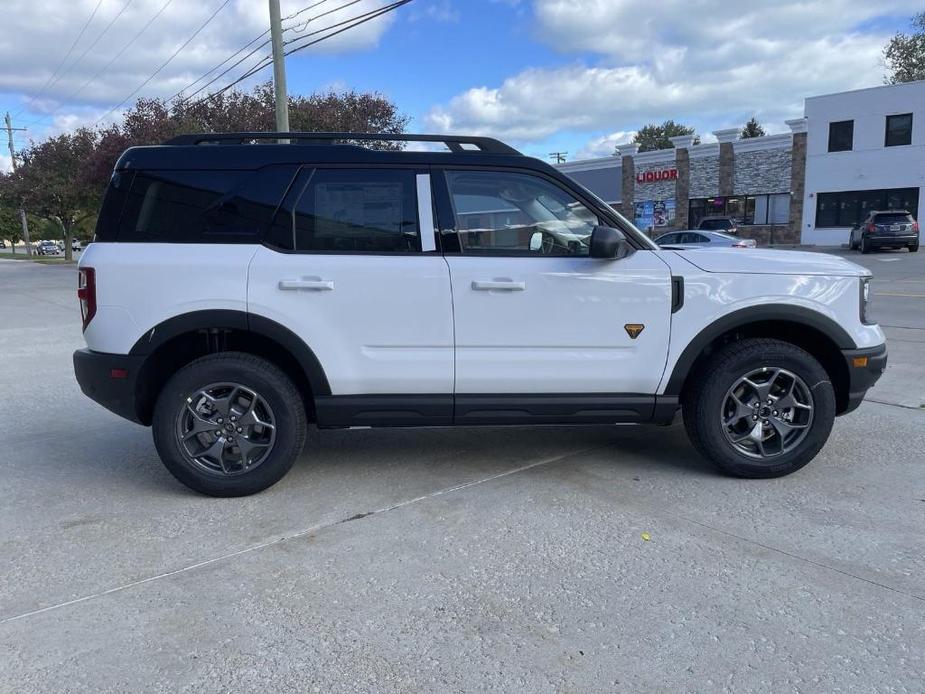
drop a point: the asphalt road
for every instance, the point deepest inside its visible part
(450, 560)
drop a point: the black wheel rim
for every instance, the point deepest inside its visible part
(226, 429)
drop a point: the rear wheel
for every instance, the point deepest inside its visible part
(229, 424)
(759, 408)
(865, 245)
(913, 248)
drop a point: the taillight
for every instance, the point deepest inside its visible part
(86, 294)
(871, 228)
(915, 226)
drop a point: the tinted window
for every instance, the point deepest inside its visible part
(202, 206)
(356, 211)
(499, 212)
(667, 239)
(715, 224)
(841, 136)
(107, 224)
(892, 218)
(849, 208)
(899, 130)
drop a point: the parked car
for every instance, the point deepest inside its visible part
(703, 239)
(2, 243)
(75, 245)
(48, 248)
(719, 223)
(885, 229)
(349, 287)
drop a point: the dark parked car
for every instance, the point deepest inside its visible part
(729, 225)
(885, 229)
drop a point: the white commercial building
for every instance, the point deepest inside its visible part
(865, 151)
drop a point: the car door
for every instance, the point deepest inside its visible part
(533, 312)
(351, 266)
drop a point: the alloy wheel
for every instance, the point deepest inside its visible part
(767, 412)
(226, 429)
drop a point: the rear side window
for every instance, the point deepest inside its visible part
(352, 211)
(202, 206)
(107, 224)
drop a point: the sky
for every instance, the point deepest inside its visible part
(578, 76)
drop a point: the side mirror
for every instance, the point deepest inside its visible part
(609, 244)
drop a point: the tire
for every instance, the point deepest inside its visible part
(706, 401)
(865, 246)
(852, 244)
(251, 394)
(914, 248)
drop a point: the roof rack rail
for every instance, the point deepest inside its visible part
(455, 143)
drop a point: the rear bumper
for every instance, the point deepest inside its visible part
(899, 240)
(110, 380)
(865, 367)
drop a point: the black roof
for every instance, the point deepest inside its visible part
(242, 151)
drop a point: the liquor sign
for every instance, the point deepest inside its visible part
(658, 175)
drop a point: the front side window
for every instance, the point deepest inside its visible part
(503, 213)
(899, 130)
(357, 211)
(841, 136)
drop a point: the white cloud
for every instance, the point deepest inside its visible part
(604, 145)
(5, 165)
(436, 10)
(38, 34)
(710, 65)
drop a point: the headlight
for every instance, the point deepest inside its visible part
(865, 300)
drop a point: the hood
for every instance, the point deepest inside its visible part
(770, 262)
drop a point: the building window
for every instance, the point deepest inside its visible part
(898, 130)
(848, 208)
(841, 136)
(747, 209)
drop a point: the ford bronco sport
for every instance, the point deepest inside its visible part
(243, 285)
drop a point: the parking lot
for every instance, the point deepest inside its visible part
(551, 559)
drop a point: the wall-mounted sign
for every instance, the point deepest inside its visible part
(659, 175)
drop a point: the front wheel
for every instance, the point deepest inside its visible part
(759, 408)
(229, 424)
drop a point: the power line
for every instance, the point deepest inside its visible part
(353, 22)
(255, 50)
(95, 41)
(166, 62)
(111, 60)
(66, 56)
(241, 50)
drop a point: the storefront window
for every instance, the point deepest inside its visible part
(748, 209)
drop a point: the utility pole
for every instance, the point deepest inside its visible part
(279, 70)
(22, 212)
(558, 157)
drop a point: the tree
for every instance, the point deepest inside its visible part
(905, 54)
(151, 121)
(653, 136)
(50, 180)
(9, 211)
(752, 129)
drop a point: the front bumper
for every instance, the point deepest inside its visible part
(110, 380)
(865, 367)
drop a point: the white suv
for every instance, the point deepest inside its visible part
(237, 291)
